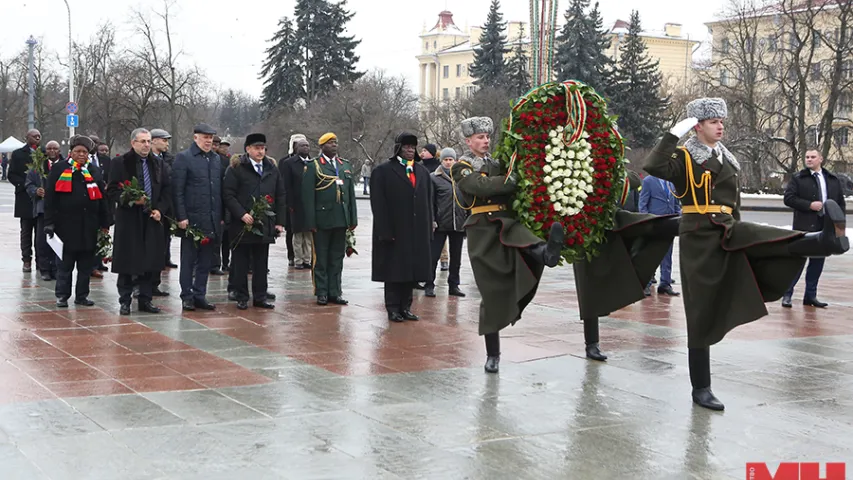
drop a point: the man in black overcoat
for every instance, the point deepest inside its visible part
(139, 241)
(300, 250)
(18, 166)
(401, 193)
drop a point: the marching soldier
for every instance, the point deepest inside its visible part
(328, 200)
(507, 259)
(729, 268)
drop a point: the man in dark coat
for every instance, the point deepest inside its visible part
(328, 199)
(197, 194)
(449, 224)
(102, 162)
(806, 193)
(221, 252)
(292, 169)
(18, 165)
(139, 240)
(507, 258)
(35, 186)
(401, 193)
(74, 210)
(729, 268)
(254, 179)
(160, 148)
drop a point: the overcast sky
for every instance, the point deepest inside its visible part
(227, 38)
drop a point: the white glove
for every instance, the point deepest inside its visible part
(681, 128)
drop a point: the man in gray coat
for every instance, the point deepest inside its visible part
(197, 187)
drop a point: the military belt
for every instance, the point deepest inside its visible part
(487, 209)
(707, 209)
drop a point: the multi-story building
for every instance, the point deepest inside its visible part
(447, 53)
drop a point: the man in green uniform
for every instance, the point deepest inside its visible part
(605, 284)
(507, 259)
(729, 268)
(328, 199)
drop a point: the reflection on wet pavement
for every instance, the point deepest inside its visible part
(336, 392)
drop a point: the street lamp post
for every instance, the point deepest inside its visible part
(70, 66)
(31, 84)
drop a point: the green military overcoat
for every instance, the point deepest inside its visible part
(729, 268)
(507, 281)
(325, 204)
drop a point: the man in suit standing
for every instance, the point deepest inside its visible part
(656, 198)
(806, 193)
(18, 166)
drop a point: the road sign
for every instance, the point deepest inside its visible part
(71, 107)
(72, 121)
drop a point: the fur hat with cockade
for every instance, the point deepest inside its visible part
(476, 125)
(706, 108)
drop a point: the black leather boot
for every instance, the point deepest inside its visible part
(699, 361)
(492, 364)
(829, 241)
(548, 253)
(493, 352)
(590, 336)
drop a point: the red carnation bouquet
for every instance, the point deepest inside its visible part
(132, 190)
(569, 157)
(261, 212)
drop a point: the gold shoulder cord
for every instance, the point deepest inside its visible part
(453, 184)
(325, 181)
(704, 183)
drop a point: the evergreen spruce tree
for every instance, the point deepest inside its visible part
(282, 70)
(518, 75)
(328, 55)
(489, 68)
(229, 114)
(581, 48)
(636, 94)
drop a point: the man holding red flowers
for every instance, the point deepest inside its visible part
(253, 193)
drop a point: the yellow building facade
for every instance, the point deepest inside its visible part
(447, 53)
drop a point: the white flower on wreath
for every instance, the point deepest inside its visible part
(547, 169)
(555, 141)
(553, 134)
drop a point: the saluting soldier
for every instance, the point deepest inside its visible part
(507, 259)
(626, 261)
(328, 200)
(729, 268)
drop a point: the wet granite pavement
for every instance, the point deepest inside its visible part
(308, 392)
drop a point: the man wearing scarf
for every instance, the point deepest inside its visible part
(139, 241)
(74, 210)
(328, 199)
(401, 193)
(45, 258)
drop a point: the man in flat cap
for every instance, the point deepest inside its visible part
(254, 178)
(160, 148)
(292, 168)
(197, 191)
(328, 199)
(507, 259)
(729, 268)
(401, 196)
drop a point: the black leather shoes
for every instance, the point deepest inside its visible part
(814, 302)
(83, 302)
(124, 309)
(396, 317)
(419, 286)
(667, 290)
(300, 266)
(829, 241)
(786, 301)
(263, 304)
(188, 306)
(62, 302)
(290, 263)
(704, 397)
(455, 292)
(429, 291)
(232, 296)
(322, 300)
(148, 307)
(270, 296)
(204, 305)
(171, 265)
(593, 352)
(408, 315)
(217, 272)
(46, 277)
(338, 300)
(159, 293)
(242, 305)
(492, 364)
(647, 291)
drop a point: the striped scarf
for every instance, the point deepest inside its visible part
(64, 182)
(410, 169)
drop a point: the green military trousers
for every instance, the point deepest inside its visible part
(330, 247)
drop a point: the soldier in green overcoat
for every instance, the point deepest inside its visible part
(328, 199)
(606, 283)
(729, 268)
(507, 259)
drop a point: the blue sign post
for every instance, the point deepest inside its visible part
(72, 121)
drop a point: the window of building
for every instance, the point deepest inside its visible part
(847, 69)
(458, 70)
(815, 39)
(815, 73)
(814, 104)
(771, 43)
(724, 77)
(471, 90)
(726, 45)
(458, 93)
(771, 72)
(426, 45)
(793, 41)
(469, 68)
(445, 94)
(434, 45)
(446, 71)
(842, 137)
(845, 103)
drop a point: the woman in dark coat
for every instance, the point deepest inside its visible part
(401, 193)
(74, 210)
(139, 244)
(243, 185)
